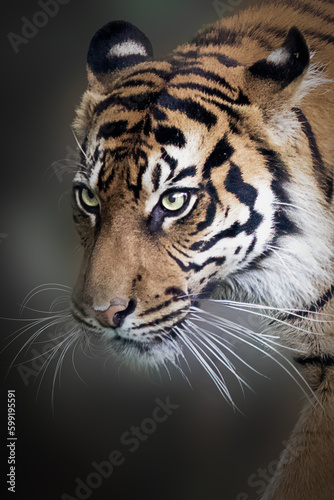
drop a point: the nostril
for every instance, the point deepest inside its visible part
(111, 314)
(115, 313)
(120, 315)
(118, 319)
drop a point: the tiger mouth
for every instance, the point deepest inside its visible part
(144, 355)
(169, 335)
(158, 338)
(140, 346)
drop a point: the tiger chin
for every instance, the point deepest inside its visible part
(210, 173)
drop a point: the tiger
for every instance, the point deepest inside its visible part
(210, 174)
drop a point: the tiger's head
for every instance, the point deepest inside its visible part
(180, 166)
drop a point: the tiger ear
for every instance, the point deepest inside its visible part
(281, 68)
(116, 46)
(286, 63)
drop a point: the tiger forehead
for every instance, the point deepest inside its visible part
(163, 116)
(152, 153)
(181, 91)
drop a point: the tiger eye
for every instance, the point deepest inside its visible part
(88, 198)
(174, 200)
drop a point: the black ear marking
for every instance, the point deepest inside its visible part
(286, 63)
(117, 45)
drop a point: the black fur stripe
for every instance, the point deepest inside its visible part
(320, 36)
(317, 306)
(182, 266)
(232, 113)
(223, 36)
(187, 172)
(169, 159)
(251, 246)
(271, 30)
(226, 36)
(325, 183)
(172, 162)
(135, 102)
(170, 136)
(149, 71)
(135, 83)
(112, 129)
(142, 160)
(307, 8)
(280, 173)
(326, 297)
(220, 154)
(313, 308)
(278, 169)
(192, 109)
(248, 227)
(156, 175)
(162, 319)
(209, 216)
(197, 267)
(241, 99)
(324, 360)
(207, 75)
(225, 60)
(159, 115)
(221, 58)
(163, 305)
(188, 54)
(234, 183)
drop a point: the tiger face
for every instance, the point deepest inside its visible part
(175, 192)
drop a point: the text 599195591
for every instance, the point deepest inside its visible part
(11, 441)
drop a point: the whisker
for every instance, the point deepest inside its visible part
(293, 278)
(219, 341)
(78, 143)
(241, 334)
(218, 321)
(220, 356)
(62, 299)
(73, 360)
(289, 311)
(272, 318)
(71, 339)
(60, 169)
(32, 323)
(312, 214)
(75, 163)
(42, 355)
(47, 362)
(32, 338)
(41, 311)
(43, 288)
(217, 379)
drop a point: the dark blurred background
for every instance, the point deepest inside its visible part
(205, 449)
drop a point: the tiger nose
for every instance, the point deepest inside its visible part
(114, 314)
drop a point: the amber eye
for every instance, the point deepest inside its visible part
(174, 200)
(88, 200)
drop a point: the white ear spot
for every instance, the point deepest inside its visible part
(129, 48)
(278, 56)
